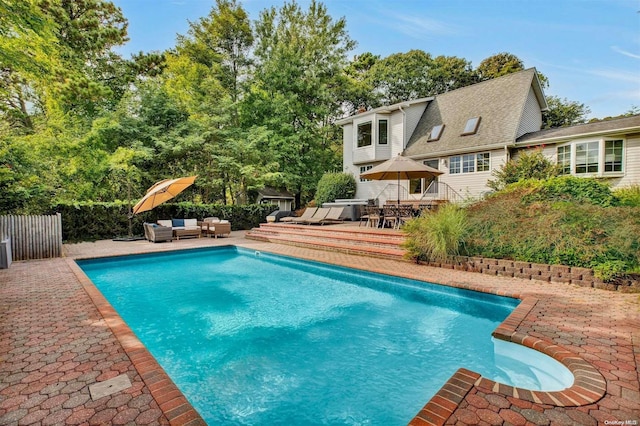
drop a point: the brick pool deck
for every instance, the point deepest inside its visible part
(58, 336)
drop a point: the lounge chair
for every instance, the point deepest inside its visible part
(333, 216)
(321, 213)
(156, 233)
(307, 214)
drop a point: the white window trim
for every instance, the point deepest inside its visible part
(378, 120)
(366, 168)
(601, 156)
(375, 138)
(475, 163)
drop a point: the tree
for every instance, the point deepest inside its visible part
(359, 91)
(402, 77)
(28, 58)
(498, 65)
(206, 73)
(295, 92)
(563, 113)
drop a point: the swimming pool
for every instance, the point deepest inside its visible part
(254, 338)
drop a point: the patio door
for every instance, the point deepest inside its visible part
(431, 187)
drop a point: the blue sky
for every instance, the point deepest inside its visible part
(588, 49)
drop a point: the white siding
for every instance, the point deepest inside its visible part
(347, 147)
(413, 115)
(631, 167)
(631, 164)
(472, 185)
(531, 120)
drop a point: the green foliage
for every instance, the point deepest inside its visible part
(498, 65)
(415, 74)
(628, 196)
(573, 189)
(335, 185)
(566, 222)
(528, 165)
(610, 270)
(94, 221)
(436, 236)
(563, 113)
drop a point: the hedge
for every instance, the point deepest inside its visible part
(90, 221)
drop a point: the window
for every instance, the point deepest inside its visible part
(564, 159)
(364, 169)
(613, 156)
(472, 126)
(454, 165)
(469, 163)
(587, 157)
(383, 132)
(364, 134)
(436, 132)
(482, 161)
(598, 157)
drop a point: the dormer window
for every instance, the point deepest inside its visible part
(436, 132)
(472, 126)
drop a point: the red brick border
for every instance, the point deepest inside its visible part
(589, 385)
(172, 402)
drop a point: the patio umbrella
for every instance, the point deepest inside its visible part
(162, 191)
(400, 168)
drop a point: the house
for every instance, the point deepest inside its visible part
(469, 132)
(283, 199)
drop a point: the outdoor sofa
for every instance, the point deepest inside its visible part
(182, 227)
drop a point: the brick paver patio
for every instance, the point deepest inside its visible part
(57, 337)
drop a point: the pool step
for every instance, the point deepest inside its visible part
(342, 238)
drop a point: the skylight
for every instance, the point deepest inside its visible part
(472, 126)
(436, 132)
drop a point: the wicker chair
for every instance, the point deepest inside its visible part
(156, 233)
(216, 227)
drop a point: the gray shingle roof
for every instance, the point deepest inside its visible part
(602, 127)
(499, 102)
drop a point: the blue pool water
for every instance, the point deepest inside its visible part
(252, 338)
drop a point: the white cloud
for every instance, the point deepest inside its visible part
(624, 52)
(417, 27)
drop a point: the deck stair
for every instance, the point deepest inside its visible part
(345, 238)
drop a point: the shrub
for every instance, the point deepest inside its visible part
(335, 185)
(528, 165)
(574, 189)
(90, 221)
(629, 196)
(436, 236)
(560, 231)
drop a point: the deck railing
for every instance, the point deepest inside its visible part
(33, 237)
(441, 191)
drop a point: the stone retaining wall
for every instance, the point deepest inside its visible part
(536, 271)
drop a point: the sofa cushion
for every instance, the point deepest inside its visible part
(167, 223)
(191, 223)
(177, 222)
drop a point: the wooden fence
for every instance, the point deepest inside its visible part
(33, 237)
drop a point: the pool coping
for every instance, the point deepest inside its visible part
(589, 385)
(170, 399)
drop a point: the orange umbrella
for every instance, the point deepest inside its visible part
(162, 191)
